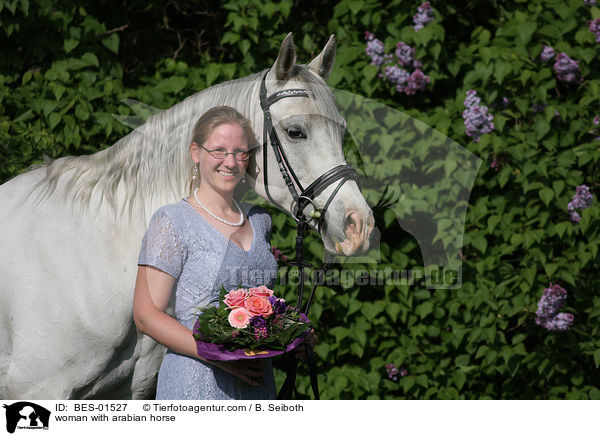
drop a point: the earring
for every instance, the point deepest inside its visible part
(195, 172)
(244, 178)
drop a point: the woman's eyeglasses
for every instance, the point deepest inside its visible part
(219, 153)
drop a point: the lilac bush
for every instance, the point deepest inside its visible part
(477, 119)
(553, 299)
(423, 16)
(567, 69)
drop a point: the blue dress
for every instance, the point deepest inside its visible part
(180, 242)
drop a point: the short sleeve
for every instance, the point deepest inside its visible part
(162, 247)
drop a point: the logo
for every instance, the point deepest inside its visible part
(25, 415)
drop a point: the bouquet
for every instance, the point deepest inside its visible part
(249, 323)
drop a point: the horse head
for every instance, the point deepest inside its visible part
(310, 131)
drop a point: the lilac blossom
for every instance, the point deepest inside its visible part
(472, 99)
(405, 53)
(582, 199)
(393, 372)
(590, 2)
(561, 322)
(395, 74)
(477, 119)
(538, 107)
(595, 28)
(375, 49)
(575, 217)
(547, 54)
(423, 16)
(505, 102)
(548, 316)
(278, 255)
(495, 163)
(567, 69)
(416, 82)
(596, 120)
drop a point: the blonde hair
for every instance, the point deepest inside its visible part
(213, 118)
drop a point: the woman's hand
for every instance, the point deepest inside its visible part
(300, 351)
(246, 370)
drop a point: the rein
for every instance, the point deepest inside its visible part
(301, 200)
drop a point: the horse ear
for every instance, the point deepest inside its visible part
(323, 64)
(286, 58)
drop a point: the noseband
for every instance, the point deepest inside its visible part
(307, 196)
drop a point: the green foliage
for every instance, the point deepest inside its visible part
(66, 68)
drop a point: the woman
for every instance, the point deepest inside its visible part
(194, 247)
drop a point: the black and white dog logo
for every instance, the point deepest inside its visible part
(25, 415)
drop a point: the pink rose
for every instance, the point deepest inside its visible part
(261, 291)
(259, 306)
(236, 298)
(239, 318)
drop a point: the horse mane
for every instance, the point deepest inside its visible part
(152, 163)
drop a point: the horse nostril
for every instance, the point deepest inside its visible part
(352, 224)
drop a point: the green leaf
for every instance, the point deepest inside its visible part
(111, 42)
(459, 379)
(70, 44)
(597, 358)
(546, 194)
(501, 70)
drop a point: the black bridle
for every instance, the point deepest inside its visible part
(301, 200)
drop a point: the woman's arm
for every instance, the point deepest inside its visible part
(153, 290)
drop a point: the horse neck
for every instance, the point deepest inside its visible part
(151, 166)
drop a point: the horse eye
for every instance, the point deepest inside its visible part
(295, 133)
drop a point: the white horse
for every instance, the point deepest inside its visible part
(71, 232)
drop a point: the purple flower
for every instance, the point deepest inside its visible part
(590, 2)
(278, 255)
(495, 163)
(538, 107)
(395, 74)
(278, 305)
(582, 199)
(405, 53)
(553, 299)
(259, 326)
(424, 15)
(304, 318)
(595, 28)
(393, 372)
(567, 70)
(547, 53)
(375, 49)
(575, 217)
(596, 120)
(416, 82)
(505, 102)
(472, 99)
(477, 119)
(561, 322)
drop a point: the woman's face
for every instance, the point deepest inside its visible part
(222, 175)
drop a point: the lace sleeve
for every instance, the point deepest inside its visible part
(162, 247)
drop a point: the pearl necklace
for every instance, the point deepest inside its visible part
(229, 223)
